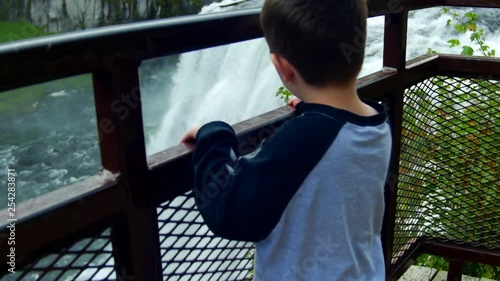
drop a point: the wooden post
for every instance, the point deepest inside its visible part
(455, 270)
(121, 135)
(394, 57)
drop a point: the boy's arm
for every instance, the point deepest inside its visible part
(243, 197)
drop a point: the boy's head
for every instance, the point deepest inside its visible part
(324, 40)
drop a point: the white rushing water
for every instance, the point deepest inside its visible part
(229, 83)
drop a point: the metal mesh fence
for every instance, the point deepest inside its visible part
(449, 188)
(190, 251)
(88, 259)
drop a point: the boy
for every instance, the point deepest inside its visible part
(311, 195)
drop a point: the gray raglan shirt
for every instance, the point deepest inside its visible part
(311, 195)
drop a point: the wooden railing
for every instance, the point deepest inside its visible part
(126, 195)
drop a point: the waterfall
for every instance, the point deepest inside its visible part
(235, 82)
(230, 83)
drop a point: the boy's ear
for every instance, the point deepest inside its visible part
(284, 68)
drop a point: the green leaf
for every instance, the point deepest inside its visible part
(284, 94)
(475, 36)
(448, 22)
(454, 43)
(472, 16)
(431, 51)
(467, 51)
(460, 28)
(464, 96)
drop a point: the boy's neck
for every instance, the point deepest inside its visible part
(339, 96)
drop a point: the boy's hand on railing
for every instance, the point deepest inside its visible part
(189, 139)
(292, 103)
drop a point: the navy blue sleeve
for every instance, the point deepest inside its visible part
(243, 197)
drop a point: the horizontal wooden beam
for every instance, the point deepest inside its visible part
(473, 3)
(426, 66)
(61, 197)
(447, 250)
(469, 66)
(421, 68)
(52, 57)
(422, 4)
(171, 172)
(461, 252)
(51, 220)
(376, 85)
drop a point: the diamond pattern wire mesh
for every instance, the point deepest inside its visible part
(449, 187)
(190, 251)
(88, 259)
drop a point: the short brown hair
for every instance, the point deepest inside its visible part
(323, 39)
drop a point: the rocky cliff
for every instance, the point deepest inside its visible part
(68, 15)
